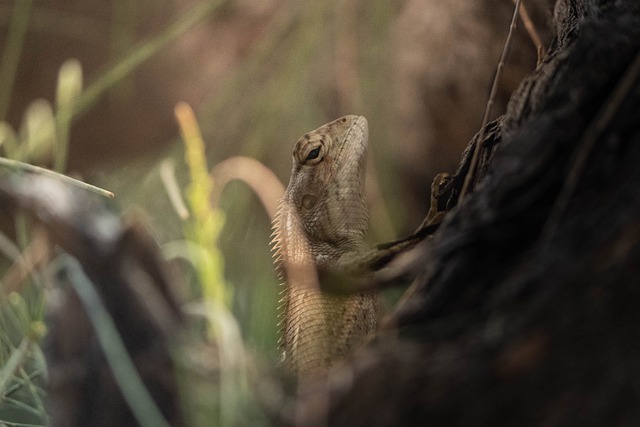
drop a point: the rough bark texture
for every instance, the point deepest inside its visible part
(443, 58)
(526, 309)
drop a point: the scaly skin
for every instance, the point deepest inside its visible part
(321, 224)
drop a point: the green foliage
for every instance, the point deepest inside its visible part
(13, 49)
(203, 228)
(22, 365)
(43, 136)
(278, 91)
(202, 231)
(142, 405)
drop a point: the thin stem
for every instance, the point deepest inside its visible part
(142, 53)
(12, 51)
(136, 395)
(14, 362)
(168, 177)
(532, 31)
(14, 164)
(485, 119)
(67, 92)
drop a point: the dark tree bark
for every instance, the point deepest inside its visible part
(443, 57)
(526, 308)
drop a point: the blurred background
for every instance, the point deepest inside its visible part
(259, 74)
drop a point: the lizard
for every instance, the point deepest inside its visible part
(320, 225)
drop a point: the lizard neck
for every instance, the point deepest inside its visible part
(332, 255)
(321, 224)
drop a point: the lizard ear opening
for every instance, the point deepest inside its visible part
(309, 201)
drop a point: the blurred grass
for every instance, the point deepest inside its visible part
(12, 51)
(144, 409)
(142, 52)
(22, 366)
(313, 62)
(283, 87)
(203, 228)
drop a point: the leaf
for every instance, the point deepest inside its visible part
(8, 139)
(15, 360)
(69, 85)
(38, 131)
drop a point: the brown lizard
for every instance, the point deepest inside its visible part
(320, 226)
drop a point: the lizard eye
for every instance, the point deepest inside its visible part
(313, 154)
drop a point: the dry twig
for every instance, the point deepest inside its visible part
(485, 119)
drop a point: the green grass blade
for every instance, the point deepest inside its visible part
(22, 406)
(12, 51)
(11, 424)
(68, 90)
(15, 360)
(139, 55)
(14, 164)
(135, 393)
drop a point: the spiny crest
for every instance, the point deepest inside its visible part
(328, 157)
(282, 308)
(277, 248)
(281, 325)
(276, 240)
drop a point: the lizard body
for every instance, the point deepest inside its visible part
(321, 225)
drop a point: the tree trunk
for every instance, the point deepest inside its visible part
(526, 308)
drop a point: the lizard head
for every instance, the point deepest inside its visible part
(326, 188)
